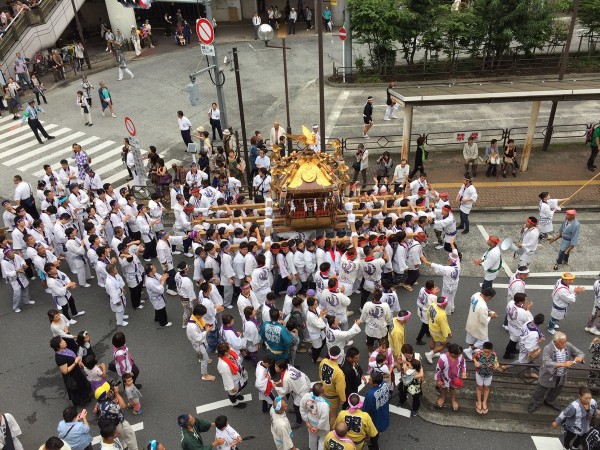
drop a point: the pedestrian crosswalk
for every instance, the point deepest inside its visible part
(20, 150)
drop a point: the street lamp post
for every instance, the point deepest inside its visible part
(266, 33)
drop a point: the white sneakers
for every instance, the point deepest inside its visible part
(18, 310)
(593, 330)
(72, 321)
(189, 255)
(124, 324)
(177, 252)
(80, 313)
(468, 353)
(169, 324)
(429, 356)
(86, 285)
(171, 292)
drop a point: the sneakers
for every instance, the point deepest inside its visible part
(147, 259)
(31, 302)
(80, 313)
(555, 267)
(72, 321)
(468, 353)
(208, 377)
(86, 285)
(18, 310)
(169, 324)
(229, 306)
(414, 413)
(386, 118)
(125, 316)
(439, 247)
(103, 113)
(595, 331)
(171, 292)
(429, 357)
(394, 117)
(366, 136)
(177, 252)
(140, 307)
(114, 116)
(124, 324)
(552, 331)
(189, 255)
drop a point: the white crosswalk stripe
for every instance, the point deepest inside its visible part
(20, 150)
(547, 443)
(57, 155)
(32, 143)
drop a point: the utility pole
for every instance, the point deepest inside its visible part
(561, 74)
(319, 23)
(80, 31)
(348, 45)
(217, 72)
(238, 83)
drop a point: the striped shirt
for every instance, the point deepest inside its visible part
(560, 357)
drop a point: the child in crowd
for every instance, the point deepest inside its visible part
(379, 365)
(449, 373)
(133, 394)
(412, 380)
(485, 361)
(251, 333)
(226, 431)
(94, 372)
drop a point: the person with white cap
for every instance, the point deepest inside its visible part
(280, 425)
(450, 275)
(528, 244)
(491, 261)
(478, 320)
(569, 232)
(562, 296)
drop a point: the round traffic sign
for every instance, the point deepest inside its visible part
(129, 126)
(144, 4)
(205, 31)
(342, 33)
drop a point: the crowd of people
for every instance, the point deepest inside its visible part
(103, 235)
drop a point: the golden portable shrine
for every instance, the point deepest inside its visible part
(307, 187)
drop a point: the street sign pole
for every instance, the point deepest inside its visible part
(139, 177)
(342, 35)
(217, 78)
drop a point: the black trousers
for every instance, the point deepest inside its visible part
(160, 316)
(593, 154)
(29, 206)
(316, 352)
(136, 295)
(36, 126)
(70, 304)
(511, 349)
(412, 276)
(187, 137)
(216, 126)
(171, 280)
(149, 249)
(464, 221)
(403, 395)
(423, 331)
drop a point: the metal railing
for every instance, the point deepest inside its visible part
(21, 22)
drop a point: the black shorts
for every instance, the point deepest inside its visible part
(367, 120)
(371, 341)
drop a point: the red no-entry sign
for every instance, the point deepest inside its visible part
(129, 126)
(342, 33)
(205, 31)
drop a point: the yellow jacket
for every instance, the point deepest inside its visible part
(333, 379)
(358, 420)
(333, 443)
(397, 337)
(438, 320)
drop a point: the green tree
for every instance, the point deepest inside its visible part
(589, 17)
(457, 30)
(374, 23)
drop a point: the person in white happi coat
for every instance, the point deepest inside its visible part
(563, 295)
(450, 276)
(227, 274)
(155, 286)
(251, 333)
(518, 314)
(58, 286)
(335, 336)
(104, 259)
(115, 288)
(246, 298)
(262, 277)
(264, 382)
(292, 381)
(466, 198)
(60, 237)
(350, 266)
(131, 209)
(197, 330)
(314, 410)
(156, 210)
(376, 316)
(229, 334)
(315, 325)
(129, 257)
(438, 224)
(148, 236)
(528, 244)
(165, 257)
(491, 261)
(13, 269)
(79, 201)
(516, 285)
(235, 377)
(547, 207)
(299, 263)
(336, 302)
(185, 290)
(43, 257)
(75, 255)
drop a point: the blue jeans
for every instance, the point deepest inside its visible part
(212, 339)
(562, 257)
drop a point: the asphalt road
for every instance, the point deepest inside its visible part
(32, 389)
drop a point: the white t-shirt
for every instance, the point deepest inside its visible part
(184, 123)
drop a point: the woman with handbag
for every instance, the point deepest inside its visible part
(361, 165)
(510, 157)
(385, 166)
(38, 89)
(10, 103)
(164, 177)
(15, 90)
(77, 385)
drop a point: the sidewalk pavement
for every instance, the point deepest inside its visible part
(561, 171)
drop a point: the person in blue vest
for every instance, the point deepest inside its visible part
(377, 405)
(276, 337)
(105, 99)
(31, 114)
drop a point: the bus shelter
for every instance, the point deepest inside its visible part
(492, 92)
